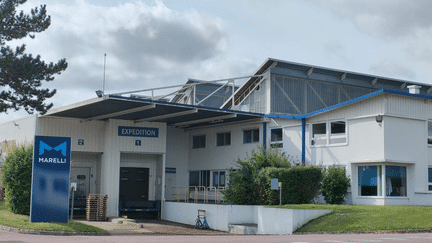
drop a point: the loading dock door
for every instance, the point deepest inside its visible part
(134, 187)
(81, 175)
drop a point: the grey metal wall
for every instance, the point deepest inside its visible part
(291, 95)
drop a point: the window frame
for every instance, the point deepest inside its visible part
(252, 136)
(327, 137)
(429, 178)
(429, 133)
(276, 143)
(204, 177)
(383, 190)
(218, 174)
(200, 143)
(226, 139)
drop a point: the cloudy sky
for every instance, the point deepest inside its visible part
(158, 43)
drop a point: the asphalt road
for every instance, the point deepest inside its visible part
(314, 238)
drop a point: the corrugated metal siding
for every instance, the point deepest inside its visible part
(295, 96)
(20, 130)
(372, 106)
(409, 107)
(256, 100)
(92, 132)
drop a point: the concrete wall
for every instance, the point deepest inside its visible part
(219, 217)
(177, 156)
(214, 157)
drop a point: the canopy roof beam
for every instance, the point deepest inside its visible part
(175, 114)
(124, 112)
(205, 120)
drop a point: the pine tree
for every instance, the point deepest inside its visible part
(21, 74)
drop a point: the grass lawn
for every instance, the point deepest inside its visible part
(22, 221)
(348, 218)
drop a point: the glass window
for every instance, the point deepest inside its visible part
(319, 134)
(319, 129)
(429, 139)
(223, 139)
(198, 141)
(369, 180)
(199, 178)
(396, 181)
(251, 136)
(337, 127)
(219, 178)
(276, 134)
(430, 179)
(337, 132)
(194, 178)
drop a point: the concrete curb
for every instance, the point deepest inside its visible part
(58, 233)
(367, 232)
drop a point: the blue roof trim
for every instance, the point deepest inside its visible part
(382, 91)
(296, 117)
(364, 97)
(184, 105)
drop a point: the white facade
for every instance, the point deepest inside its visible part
(384, 132)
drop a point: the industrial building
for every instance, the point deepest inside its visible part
(137, 148)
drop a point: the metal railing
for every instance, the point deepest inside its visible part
(198, 194)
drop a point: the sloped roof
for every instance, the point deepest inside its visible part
(146, 110)
(305, 68)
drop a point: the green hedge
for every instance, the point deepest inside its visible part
(251, 184)
(299, 184)
(16, 179)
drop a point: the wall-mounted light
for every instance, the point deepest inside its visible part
(99, 93)
(379, 118)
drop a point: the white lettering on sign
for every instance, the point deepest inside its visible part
(52, 160)
(138, 132)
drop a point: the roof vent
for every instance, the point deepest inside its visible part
(414, 89)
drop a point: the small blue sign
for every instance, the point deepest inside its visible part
(274, 184)
(137, 142)
(50, 179)
(138, 132)
(80, 142)
(170, 170)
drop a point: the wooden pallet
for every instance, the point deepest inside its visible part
(96, 209)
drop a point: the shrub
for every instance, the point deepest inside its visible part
(243, 188)
(335, 185)
(16, 179)
(251, 185)
(299, 184)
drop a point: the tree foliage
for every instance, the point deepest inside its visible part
(251, 185)
(21, 74)
(16, 179)
(242, 187)
(335, 185)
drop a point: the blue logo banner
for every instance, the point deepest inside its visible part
(50, 181)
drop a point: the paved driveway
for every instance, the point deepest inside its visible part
(16, 237)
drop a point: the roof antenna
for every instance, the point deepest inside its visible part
(101, 93)
(103, 86)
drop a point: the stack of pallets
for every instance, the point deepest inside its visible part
(96, 209)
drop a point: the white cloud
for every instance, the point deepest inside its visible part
(393, 69)
(146, 46)
(383, 18)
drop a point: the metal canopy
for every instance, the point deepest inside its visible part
(144, 110)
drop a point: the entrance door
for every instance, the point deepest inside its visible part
(81, 175)
(134, 187)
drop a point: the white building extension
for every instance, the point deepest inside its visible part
(142, 151)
